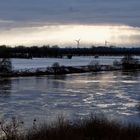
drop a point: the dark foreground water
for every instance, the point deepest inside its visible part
(114, 94)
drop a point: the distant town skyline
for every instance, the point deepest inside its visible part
(33, 22)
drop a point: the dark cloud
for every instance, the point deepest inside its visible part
(30, 12)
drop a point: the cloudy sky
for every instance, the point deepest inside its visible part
(38, 22)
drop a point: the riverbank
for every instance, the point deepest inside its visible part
(93, 128)
(59, 70)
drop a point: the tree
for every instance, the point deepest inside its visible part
(116, 63)
(56, 67)
(128, 62)
(94, 65)
(5, 65)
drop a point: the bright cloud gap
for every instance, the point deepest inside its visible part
(65, 35)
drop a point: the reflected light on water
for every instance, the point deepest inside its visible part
(67, 34)
(106, 81)
(75, 95)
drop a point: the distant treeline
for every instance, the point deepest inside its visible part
(55, 51)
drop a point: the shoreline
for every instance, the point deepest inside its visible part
(60, 70)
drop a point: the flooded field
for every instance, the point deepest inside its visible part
(75, 61)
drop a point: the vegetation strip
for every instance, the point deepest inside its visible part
(94, 128)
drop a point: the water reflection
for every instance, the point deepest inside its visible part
(132, 74)
(58, 77)
(5, 87)
(56, 81)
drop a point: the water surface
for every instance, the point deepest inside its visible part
(114, 94)
(75, 61)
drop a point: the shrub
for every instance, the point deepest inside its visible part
(94, 65)
(11, 130)
(5, 65)
(56, 67)
(93, 128)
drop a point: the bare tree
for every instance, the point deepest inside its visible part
(5, 65)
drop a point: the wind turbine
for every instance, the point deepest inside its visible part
(78, 43)
(106, 43)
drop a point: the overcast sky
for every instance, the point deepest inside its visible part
(39, 13)
(71, 11)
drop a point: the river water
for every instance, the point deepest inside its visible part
(114, 94)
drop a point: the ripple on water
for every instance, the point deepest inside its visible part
(114, 94)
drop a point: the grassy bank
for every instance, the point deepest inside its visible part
(89, 129)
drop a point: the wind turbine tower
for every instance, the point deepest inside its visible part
(106, 43)
(78, 43)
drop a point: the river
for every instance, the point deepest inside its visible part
(114, 94)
